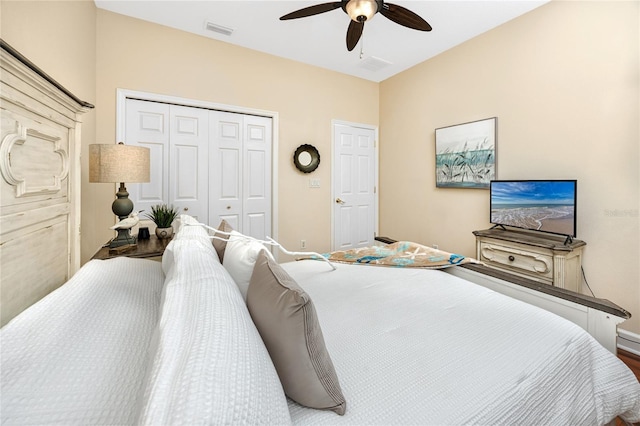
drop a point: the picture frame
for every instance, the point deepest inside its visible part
(466, 154)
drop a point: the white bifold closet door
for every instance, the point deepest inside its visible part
(240, 172)
(211, 165)
(179, 142)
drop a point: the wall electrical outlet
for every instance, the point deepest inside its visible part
(303, 243)
(435, 246)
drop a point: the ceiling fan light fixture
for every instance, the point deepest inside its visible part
(361, 10)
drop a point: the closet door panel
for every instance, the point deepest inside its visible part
(226, 169)
(256, 185)
(257, 176)
(188, 172)
(153, 192)
(229, 166)
(185, 184)
(232, 219)
(256, 225)
(147, 125)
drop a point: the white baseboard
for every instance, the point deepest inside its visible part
(628, 341)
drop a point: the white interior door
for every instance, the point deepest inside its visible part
(354, 186)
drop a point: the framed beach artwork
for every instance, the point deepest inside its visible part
(466, 154)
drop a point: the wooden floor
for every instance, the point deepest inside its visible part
(633, 362)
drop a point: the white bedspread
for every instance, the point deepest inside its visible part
(424, 347)
(209, 365)
(65, 362)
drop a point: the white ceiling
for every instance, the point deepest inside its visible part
(320, 40)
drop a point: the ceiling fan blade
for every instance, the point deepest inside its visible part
(405, 17)
(312, 10)
(353, 34)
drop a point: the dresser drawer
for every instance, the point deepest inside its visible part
(547, 259)
(529, 263)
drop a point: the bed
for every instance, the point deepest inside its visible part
(185, 341)
(203, 338)
(39, 182)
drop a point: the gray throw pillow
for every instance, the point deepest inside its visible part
(286, 319)
(220, 245)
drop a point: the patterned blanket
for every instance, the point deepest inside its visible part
(400, 254)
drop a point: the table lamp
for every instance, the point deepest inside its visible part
(119, 163)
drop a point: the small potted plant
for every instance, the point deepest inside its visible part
(163, 216)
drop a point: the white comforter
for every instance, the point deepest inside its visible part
(423, 347)
(120, 343)
(79, 355)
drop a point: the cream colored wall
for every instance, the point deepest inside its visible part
(137, 55)
(563, 81)
(60, 38)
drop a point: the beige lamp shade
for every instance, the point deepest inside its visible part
(118, 163)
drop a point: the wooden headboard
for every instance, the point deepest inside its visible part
(40, 185)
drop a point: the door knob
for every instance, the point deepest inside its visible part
(186, 209)
(339, 201)
(228, 207)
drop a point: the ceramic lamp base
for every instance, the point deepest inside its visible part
(124, 237)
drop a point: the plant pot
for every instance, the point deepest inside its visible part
(163, 233)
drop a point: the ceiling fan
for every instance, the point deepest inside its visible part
(361, 11)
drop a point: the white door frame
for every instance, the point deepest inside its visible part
(333, 172)
(123, 94)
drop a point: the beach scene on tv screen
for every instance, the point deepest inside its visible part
(544, 206)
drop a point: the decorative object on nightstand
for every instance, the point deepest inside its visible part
(143, 233)
(128, 223)
(163, 216)
(119, 163)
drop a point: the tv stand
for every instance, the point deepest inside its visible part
(545, 258)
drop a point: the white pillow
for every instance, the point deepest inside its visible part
(208, 364)
(240, 257)
(188, 229)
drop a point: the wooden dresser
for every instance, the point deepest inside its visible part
(544, 258)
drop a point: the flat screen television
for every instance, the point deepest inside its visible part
(540, 205)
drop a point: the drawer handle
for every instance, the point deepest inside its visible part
(511, 258)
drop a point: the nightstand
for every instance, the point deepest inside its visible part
(153, 248)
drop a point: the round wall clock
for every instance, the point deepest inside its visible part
(306, 158)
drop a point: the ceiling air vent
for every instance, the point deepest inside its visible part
(373, 63)
(210, 26)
